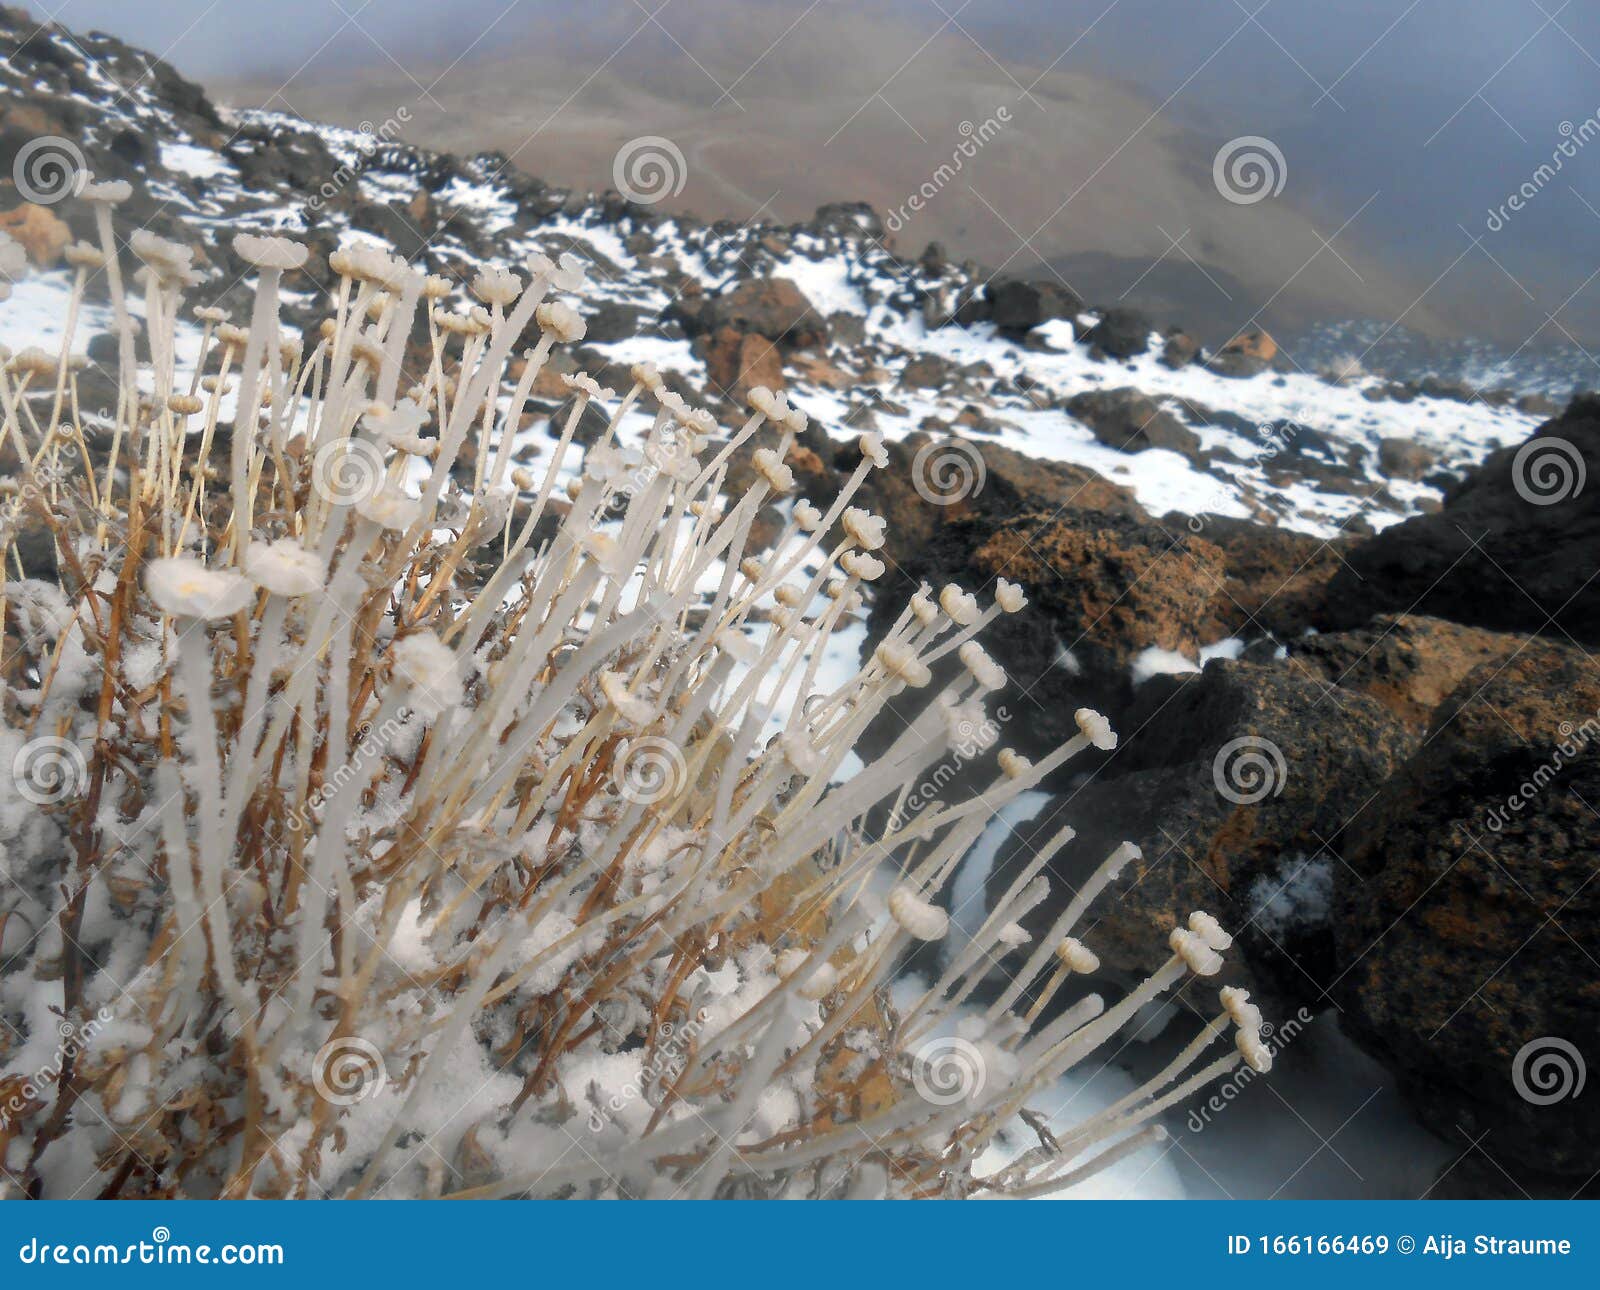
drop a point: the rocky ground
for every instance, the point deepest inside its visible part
(1343, 624)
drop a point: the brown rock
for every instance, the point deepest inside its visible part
(815, 370)
(1276, 580)
(1253, 344)
(1406, 662)
(737, 362)
(1110, 587)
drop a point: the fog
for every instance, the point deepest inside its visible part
(1406, 125)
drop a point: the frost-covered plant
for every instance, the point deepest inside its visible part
(395, 837)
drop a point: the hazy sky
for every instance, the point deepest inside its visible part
(1437, 110)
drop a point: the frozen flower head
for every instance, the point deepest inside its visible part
(436, 287)
(630, 707)
(795, 422)
(570, 273)
(872, 449)
(84, 255)
(269, 252)
(1075, 956)
(1209, 930)
(807, 516)
(586, 387)
(858, 564)
(646, 375)
(496, 286)
(1009, 597)
(389, 507)
(1197, 956)
(539, 265)
(1095, 728)
(1013, 935)
(398, 424)
(770, 466)
(108, 192)
(988, 674)
(864, 528)
(697, 421)
(772, 406)
(960, 605)
(426, 667)
(925, 921)
(284, 568)
(561, 321)
(185, 588)
(901, 662)
(167, 258)
(1013, 765)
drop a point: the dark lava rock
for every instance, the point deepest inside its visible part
(1179, 350)
(1276, 580)
(770, 307)
(1131, 421)
(1237, 784)
(1120, 333)
(1515, 548)
(1015, 306)
(1467, 919)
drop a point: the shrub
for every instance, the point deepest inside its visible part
(403, 837)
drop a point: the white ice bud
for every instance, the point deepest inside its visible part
(962, 607)
(989, 674)
(561, 321)
(807, 516)
(926, 922)
(1009, 597)
(284, 567)
(901, 662)
(1197, 956)
(185, 588)
(770, 466)
(495, 285)
(858, 564)
(1209, 930)
(269, 252)
(1095, 728)
(872, 449)
(1012, 935)
(1013, 765)
(864, 528)
(426, 666)
(1076, 956)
